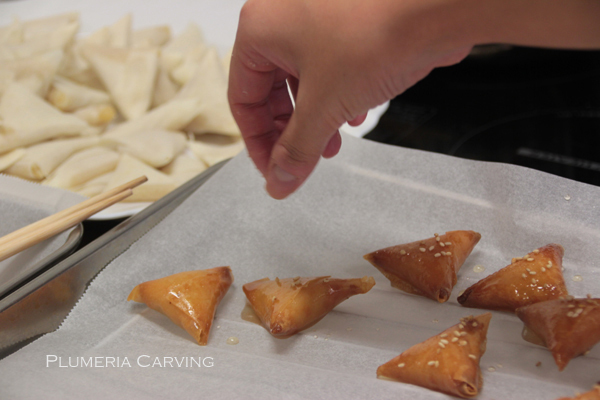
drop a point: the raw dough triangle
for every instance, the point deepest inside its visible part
(448, 362)
(189, 298)
(427, 267)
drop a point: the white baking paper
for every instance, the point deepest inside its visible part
(23, 203)
(368, 197)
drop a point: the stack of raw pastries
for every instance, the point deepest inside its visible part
(88, 114)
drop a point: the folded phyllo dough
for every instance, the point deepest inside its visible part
(447, 363)
(593, 394)
(568, 327)
(287, 306)
(427, 267)
(189, 299)
(530, 279)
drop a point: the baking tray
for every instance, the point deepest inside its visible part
(18, 279)
(41, 304)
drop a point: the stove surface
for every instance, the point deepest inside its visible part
(536, 108)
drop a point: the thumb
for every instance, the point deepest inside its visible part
(299, 148)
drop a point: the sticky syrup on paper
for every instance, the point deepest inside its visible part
(233, 340)
(249, 315)
(478, 268)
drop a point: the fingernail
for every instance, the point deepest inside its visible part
(283, 176)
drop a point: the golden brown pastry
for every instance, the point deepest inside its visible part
(427, 267)
(593, 394)
(447, 363)
(527, 280)
(287, 306)
(568, 327)
(189, 299)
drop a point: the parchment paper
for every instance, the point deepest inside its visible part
(368, 197)
(23, 203)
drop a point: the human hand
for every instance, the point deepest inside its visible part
(340, 58)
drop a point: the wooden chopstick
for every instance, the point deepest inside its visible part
(43, 229)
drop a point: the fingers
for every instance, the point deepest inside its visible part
(310, 133)
(261, 106)
(358, 120)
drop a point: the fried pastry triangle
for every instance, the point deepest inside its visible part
(568, 327)
(527, 280)
(447, 363)
(189, 298)
(287, 306)
(427, 267)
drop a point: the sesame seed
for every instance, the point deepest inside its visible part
(512, 261)
(524, 275)
(579, 310)
(518, 258)
(436, 234)
(437, 255)
(296, 279)
(463, 333)
(527, 269)
(454, 340)
(431, 363)
(444, 341)
(326, 280)
(543, 269)
(448, 253)
(530, 259)
(462, 343)
(444, 335)
(532, 272)
(448, 243)
(461, 326)
(431, 248)
(442, 345)
(422, 249)
(437, 238)
(533, 280)
(549, 264)
(401, 365)
(474, 324)
(402, 252)
(473, 356)
(442, 244)
(571, 314)
(457, 333)
(536, 251)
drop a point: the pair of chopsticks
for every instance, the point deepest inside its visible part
(43, 229)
